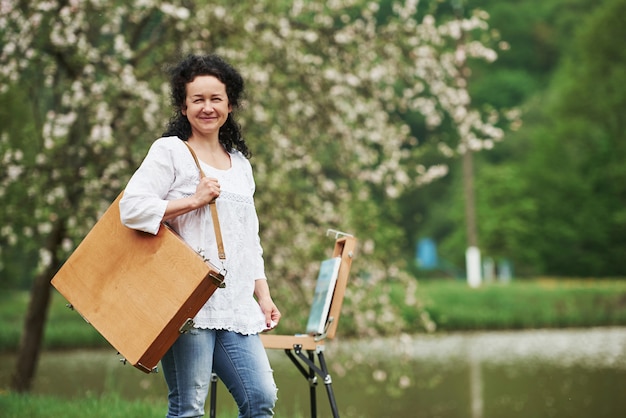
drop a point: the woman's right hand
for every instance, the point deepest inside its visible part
(207, 190)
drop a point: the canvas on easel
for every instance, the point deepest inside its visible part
(324, 289)
(305, 350)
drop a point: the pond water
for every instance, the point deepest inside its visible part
(530, 374)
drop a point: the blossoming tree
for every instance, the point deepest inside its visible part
(326, 84)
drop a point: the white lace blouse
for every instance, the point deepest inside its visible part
(169, 172)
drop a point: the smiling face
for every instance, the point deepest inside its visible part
(206, 106)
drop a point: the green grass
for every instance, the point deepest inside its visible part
(65, 328)
(12, 308)
(14, 405)
(522, 304)
(109, 406)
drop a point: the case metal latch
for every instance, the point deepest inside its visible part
(187, 326)
(217, 279)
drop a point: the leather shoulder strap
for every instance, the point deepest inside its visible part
(212, 208)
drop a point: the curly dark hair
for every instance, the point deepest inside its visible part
(185, 72)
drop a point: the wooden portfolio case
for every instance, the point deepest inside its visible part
(140, 291)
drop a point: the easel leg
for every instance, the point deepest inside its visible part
(321, 371)
(309, 374)
(328, 383)
(312, 386)
(213, 405)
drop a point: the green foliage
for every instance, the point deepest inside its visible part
(551, 197)
(575, 160)
(504, 88)
(18, 127)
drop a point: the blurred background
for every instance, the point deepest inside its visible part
(474, 148)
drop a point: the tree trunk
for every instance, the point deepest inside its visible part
(34, 323)
(472, 253)
(470, 203)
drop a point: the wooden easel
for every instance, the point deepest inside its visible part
(295, 346)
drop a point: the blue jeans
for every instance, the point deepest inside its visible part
(240, 361)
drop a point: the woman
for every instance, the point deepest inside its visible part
(167, 187)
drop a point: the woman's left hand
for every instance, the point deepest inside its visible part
(269, 309)
(272, 314)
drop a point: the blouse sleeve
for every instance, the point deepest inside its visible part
(144, 202)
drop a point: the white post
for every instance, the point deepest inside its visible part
(489, 270)
(472, 265)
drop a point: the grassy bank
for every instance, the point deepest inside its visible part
(521, 304)
(19, 406)
(108, 406)
(64, 328)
